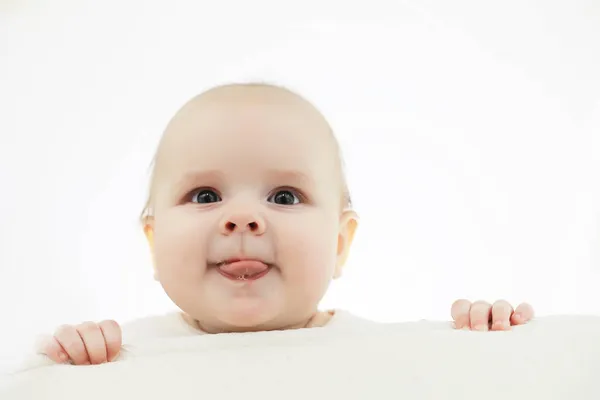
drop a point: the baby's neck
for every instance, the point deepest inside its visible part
(317, 320)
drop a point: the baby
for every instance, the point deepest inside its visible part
(248, 220)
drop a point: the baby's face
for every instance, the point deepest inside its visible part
(248, 179)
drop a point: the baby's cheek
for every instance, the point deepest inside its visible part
(312, 256)
(178, 247)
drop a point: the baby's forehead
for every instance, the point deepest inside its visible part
(238, 131)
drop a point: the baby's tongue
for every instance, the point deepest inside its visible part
(246, 267)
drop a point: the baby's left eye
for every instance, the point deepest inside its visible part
(284, 197)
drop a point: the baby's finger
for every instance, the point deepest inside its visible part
(113, 338)
(68, 337)
(94, 342)
(460, 313)
(50, 347)
(523, 314)
(480, 315)
(501, 313)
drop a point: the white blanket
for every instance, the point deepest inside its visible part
(550, 358)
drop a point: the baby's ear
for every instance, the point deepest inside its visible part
(149, 233)
(348, 225)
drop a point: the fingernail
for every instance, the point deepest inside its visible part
(501, 325)
(63, 357)
(518, 317)
(480, 328)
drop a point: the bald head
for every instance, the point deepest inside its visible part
(210, 112)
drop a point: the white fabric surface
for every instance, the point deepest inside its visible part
(550, 358)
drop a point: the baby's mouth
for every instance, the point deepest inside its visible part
(243, 270)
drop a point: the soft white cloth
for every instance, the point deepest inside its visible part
(549, 358)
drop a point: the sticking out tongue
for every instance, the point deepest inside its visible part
(245, 268)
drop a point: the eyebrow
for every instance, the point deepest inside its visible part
(208, 177)
(291, 177)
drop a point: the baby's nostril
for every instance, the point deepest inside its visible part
(253, 226)
(230, 226)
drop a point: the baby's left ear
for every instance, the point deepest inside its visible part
(348, 225)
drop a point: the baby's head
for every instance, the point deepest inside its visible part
(248, 172)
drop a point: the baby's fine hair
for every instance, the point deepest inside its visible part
(346, 200)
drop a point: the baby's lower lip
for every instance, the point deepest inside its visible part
(242, 278)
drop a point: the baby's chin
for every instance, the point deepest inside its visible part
(247, 315)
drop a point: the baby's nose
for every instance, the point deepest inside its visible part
(243, 223)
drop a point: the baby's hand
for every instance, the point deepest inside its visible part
(483, 316)
(84, 344)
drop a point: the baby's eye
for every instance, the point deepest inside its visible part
(205, 196)
(284, 197)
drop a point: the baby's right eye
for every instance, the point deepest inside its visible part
(205, 196)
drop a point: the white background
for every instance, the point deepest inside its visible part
(471, 133)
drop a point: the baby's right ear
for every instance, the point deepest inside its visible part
(149, 233)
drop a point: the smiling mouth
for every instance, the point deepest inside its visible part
(243, 270)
